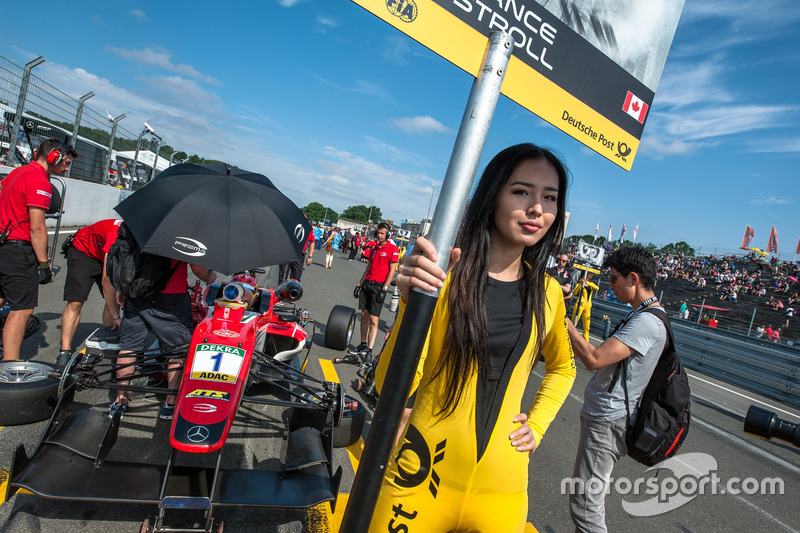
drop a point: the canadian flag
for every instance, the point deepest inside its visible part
(635, 107)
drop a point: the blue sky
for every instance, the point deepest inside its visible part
(336, 107)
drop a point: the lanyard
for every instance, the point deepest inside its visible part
(639, 308)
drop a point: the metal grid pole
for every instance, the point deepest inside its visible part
(23, 91)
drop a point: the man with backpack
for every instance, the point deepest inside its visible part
(163, 307)
(638, 343)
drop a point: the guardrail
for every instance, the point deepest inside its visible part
(766, 368)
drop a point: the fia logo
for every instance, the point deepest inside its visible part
(405, 10)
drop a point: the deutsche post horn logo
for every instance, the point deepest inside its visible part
(623, 150)
(405, 10)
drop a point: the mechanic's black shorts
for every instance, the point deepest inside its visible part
(82, 272)
(19, 276)
(366, 298)
(168, 316)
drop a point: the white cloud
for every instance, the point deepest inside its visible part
(685, 84)
(745, 22)
(771, 200)
(289, 3)
(139, 14)
(371, 89)
(326, 21)
(775, 145)
(725, 120)
(659, 148)
(151, 57)
(418, 124)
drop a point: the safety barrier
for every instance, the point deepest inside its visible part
(760, 366)
(32, 110)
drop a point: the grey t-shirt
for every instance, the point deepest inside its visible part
(646, 335)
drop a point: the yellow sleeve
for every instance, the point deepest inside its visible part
(386, 354)
(559, 368)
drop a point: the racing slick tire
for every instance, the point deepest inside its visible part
(340, 327)
(27, 394)
(349, 429)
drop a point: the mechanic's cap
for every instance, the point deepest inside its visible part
(250, 281)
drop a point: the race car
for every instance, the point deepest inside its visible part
(249, 338)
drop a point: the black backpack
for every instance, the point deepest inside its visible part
(664, 413)
(134, 273)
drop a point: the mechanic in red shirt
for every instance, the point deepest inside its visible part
(86, 266)
(294, 270)
(24, 199)
(372, 287)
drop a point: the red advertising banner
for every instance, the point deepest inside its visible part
(772, 245)
(748, 238)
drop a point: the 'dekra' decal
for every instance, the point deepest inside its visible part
(217, 362)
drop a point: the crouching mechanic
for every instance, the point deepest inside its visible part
(86, 266)
(372, 287)
(24, 198)
(168, 314)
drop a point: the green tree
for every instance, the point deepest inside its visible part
(195, 159)
(361, 213)
(317, 212)
(314, 211)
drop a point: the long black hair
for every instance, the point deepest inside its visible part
(466, 341)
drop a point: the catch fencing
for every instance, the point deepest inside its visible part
(48, 112)
(762, 367)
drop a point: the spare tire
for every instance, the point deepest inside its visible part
(27, 393)
(340, 327)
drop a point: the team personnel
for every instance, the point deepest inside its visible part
(86, 266)
(168, 314)
(294, 270)
(24, 200)
(371, 288)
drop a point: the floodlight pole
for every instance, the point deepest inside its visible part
(78, 115)
(114, 122)
(136, 155)
(419, 309)
(23, 91)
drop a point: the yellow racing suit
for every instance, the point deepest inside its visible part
(585, 288)
(435, 481)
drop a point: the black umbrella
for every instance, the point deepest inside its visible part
(216, 216)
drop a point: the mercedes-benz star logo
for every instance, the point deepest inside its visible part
(197, 433)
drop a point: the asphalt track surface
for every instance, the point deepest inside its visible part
(716, 439)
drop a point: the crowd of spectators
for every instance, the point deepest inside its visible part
(731, 277)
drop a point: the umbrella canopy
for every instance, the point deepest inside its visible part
(216, 216)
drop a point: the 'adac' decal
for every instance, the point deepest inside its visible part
(214, 376)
